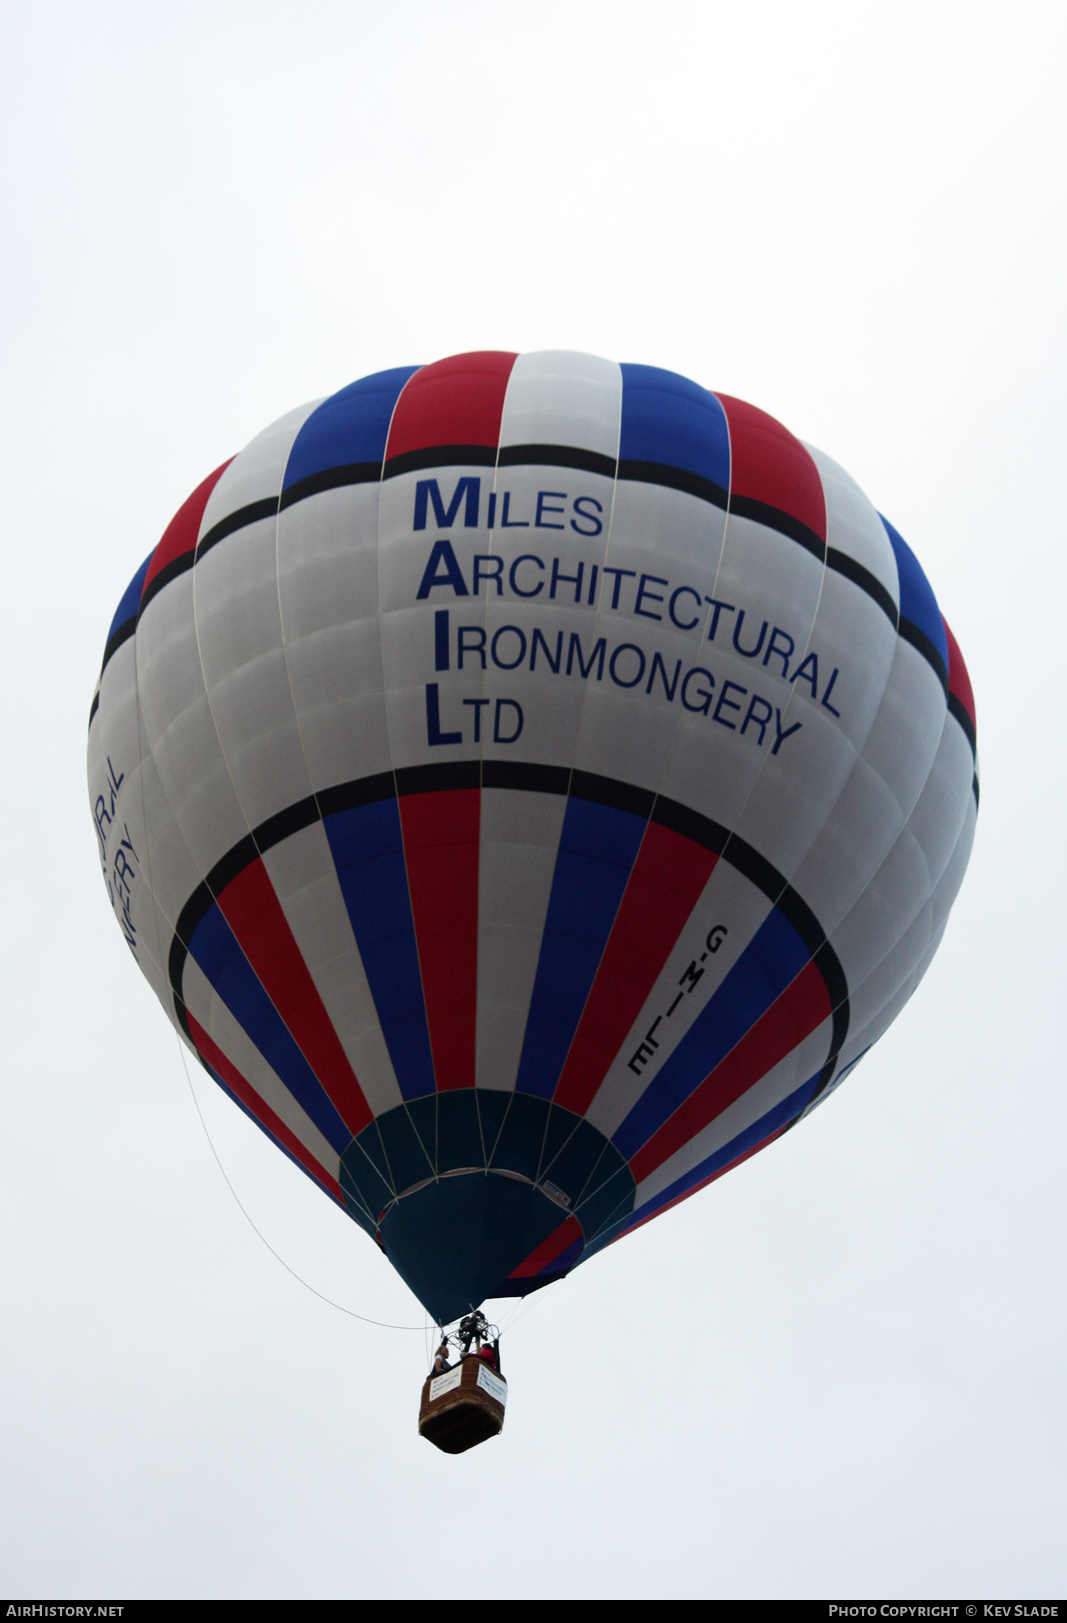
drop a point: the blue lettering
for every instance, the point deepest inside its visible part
(575, 649)
(717, 604)
(623, 648)
(753, 715)
(505, 664)
(492, 571)
(428, 489)
(434, 735)
(572, 580)
(538, 638)
(442, 569)
(683, 625)
(440, 640)
(526, 558)
(653, 597)
(784, 654)
(475, 646)
(803, 674)
(782, 736)
(501, 706)
(826, 696)
(728, 704)
(668, 685)
(619, 575)
(747, 653)
(704, 694)
(477, 706)
(540, 523)
(507, 523)
(580, 510)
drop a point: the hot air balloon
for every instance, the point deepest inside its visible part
(529, 784)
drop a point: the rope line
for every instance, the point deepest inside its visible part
(352, 1314)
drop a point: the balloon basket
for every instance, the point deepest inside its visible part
(462, 1407)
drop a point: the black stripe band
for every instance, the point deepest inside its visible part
(117, 638)
(923, 645)
(861, 577)
(237, 520)
(956, 709)
(94, 707)
(347, 473)
(169, 572)
(774, 519)
(441, 456)
(660, 473)
(556, 456)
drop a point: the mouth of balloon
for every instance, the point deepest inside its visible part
(536, 1196)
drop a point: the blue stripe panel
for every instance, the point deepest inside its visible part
(351, 426)
(770, 1123)
(917, 601)
(597, 850)
(131, 599)
(368, 853)
(216, 950)
(667, 418)
(773, 958)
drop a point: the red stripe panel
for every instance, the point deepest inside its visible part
(254, 914)
(665, 884)
(959, 683)
(441, 852)
(547, 1252)
(729, 1167)
(459, 401)
(213, 1055)
(803, 1005)
(768, 464)
(184, 528)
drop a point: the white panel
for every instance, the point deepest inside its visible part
(257, 472)
(519, 838)
(328, 590)
(240, 638)
(180, 728)
(302, 871)
(853, 525)
(563, 397)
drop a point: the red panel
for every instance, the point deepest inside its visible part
(547, 1252)
(181, 533)
(255, 916)
(767, 464)
(458, 401)
(959, 683)
(441, 852)
(803, 1006)
(274, 1125)
(666, 881)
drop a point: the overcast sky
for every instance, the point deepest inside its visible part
(839, 1370)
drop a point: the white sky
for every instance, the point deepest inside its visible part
(837, 1372)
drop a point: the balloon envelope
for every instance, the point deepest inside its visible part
(529, 785)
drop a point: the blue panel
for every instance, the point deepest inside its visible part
(215, 948)
(131, 599)
(773, 958)
(780, 1116)
(597, 850)
(368, 853)
(917, 601)
(350, 427)
(669, 419)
